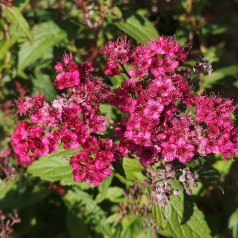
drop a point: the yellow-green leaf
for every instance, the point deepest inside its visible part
(181, 218)
(54, 167)
(46, 35)
(15, 17)
(138, 27)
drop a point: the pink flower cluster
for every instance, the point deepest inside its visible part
(161, 117)
(159, 105)
(72, 120)
(144, 60)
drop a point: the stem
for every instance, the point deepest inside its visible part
(124, 71)
(189, 12)
(61, 6)
(6, 37)
(190, 5)
(201, 86)
(203, 44)
(133, 95)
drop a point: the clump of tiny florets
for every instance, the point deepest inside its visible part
(137, 203)
(161, 117)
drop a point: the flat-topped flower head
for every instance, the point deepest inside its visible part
(161, 120)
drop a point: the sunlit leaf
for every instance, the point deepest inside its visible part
(220, 74)
(16, 18)
(133, 169)
(5, 46)
(182, 218)
(40, 82)
(54, 167)
(233, 223)
(5, 187)
(138, 27)
(46, 35)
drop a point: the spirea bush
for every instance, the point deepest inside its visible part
(118, 137)
(163, 122)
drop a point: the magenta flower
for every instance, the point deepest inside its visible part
(161, 118)
(184, 151)
(70, 140)
(69, 74)
(153, 109)
(94, 164)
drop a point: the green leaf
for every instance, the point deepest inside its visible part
(105, 184)
(219, 74)
(5, 187)
(54, 167)
(16, 18)
(40, 82)
(138, 27)
(24, 194)
(131, 226)
(213, 29)
(233, 223)
(235, 84)
(208, 175)
(133, 169)
(184, 219)
(223, 166)
(160, 217)
(46, 35)
(5, 46)
(114, 218)
(103, 188)
(76, 198)
(75, 224)
(21, 4)
(110, 111)
(115, 194)
(117, 80)
(196, 163)
(116, 11)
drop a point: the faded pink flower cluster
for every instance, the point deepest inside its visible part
(7, 170)
(7, 221)
(161, 117)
